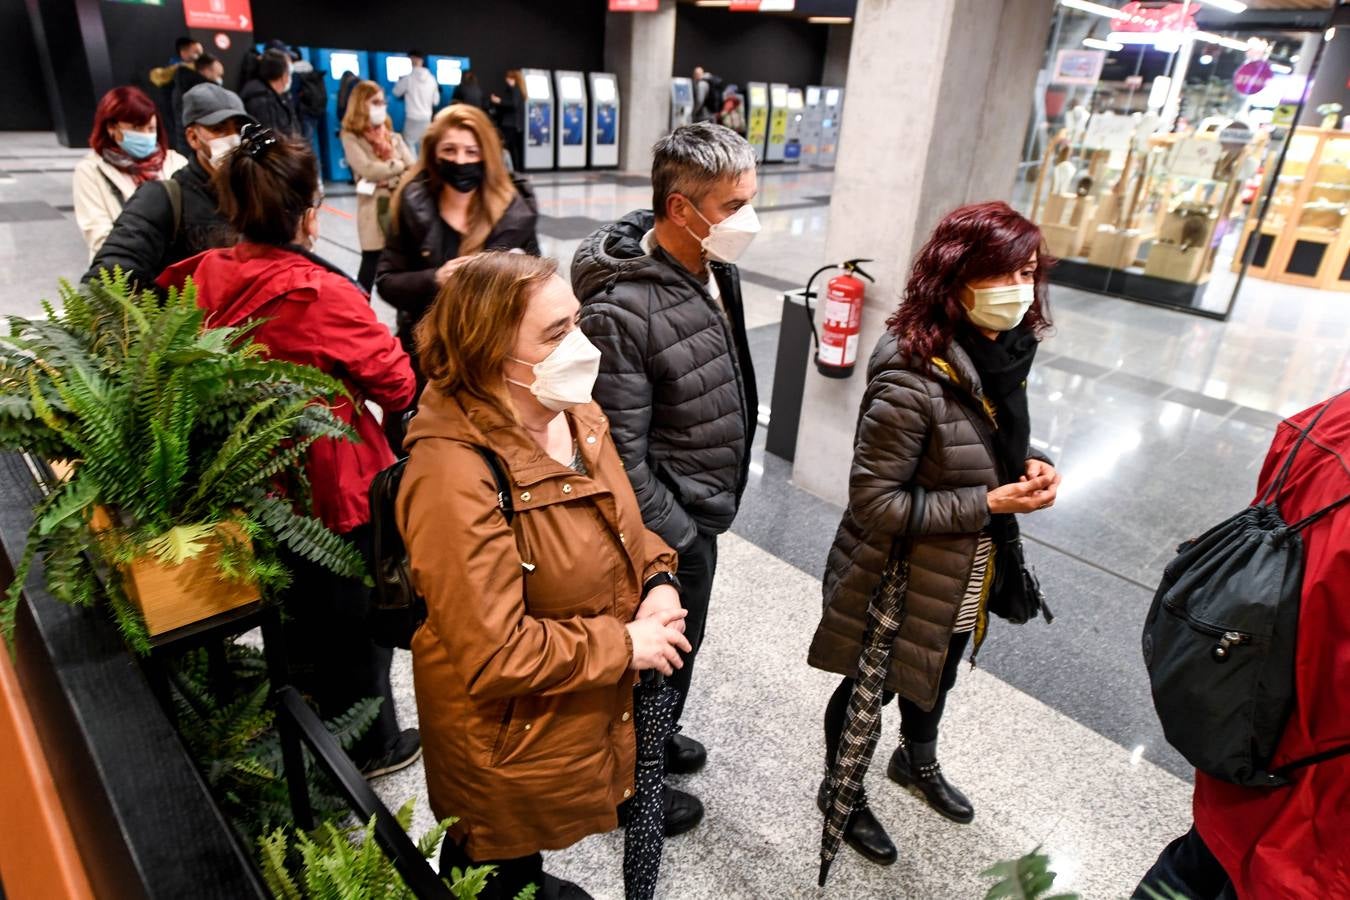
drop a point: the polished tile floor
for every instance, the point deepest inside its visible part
(1159, 422)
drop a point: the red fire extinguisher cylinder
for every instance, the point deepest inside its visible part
(838, 352)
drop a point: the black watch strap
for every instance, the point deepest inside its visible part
(659, 579)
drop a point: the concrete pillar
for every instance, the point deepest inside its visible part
(640, 50)
(837, 46)
(937, 122)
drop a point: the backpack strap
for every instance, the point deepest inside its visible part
(1325, 755)
(499, 476)
(175, 192)
(1272, 492)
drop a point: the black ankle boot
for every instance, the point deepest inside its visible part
(915, 765)
(863, 832)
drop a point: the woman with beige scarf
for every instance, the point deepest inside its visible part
(378, 157)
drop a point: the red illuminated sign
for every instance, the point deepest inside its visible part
(1150, 19)
(219, 15)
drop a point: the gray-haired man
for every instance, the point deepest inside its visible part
(661, 298)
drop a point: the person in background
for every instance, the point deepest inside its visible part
(128, 147)
(509, 113)
(378, 157)
(536, 629)
(943, 462)
(458, 200)
(210, 68)
(707, 95)
(661, 298)
(1290, 840)
(311, 94)
(167, 221)
(170, 82)
(733, 112)
(420, 94)
(469, 91)
(307, 311)
(268, 98)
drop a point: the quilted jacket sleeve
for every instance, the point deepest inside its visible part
(624, 390)
(896, 419)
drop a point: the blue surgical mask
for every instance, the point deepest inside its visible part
(138, 144)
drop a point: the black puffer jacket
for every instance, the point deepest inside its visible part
(143, 241)
(274, 110)
(422, 242)
(675, 378)
(919, 449)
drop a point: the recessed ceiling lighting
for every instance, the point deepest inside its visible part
(1087, 6)
(1206, 60)
(713, 3)
(1098, 44)
(1232, 6)
(829, 20)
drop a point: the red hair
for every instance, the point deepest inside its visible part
(125, 104)
(983, 240)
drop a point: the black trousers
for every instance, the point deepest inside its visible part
(1188, 865)
(698, 565)
(512, 875)
(917, 724)
(331, 656)
(370, 259)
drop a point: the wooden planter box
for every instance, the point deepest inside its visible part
(171, 596)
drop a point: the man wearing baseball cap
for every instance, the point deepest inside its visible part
(166, 222)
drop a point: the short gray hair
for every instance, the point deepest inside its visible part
(692, 158)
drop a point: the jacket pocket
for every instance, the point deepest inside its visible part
(499, 744)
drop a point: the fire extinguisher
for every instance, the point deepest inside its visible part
(837, 342)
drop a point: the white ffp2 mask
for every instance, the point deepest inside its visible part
(1001, 308)
(378, 114)
(566, 377)
(729, 238)
(222, 147)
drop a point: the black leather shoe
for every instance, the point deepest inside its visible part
(684, 756)
(683, 812)
(928, 781)
(863, 832)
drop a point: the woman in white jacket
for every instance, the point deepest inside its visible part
(128, 147)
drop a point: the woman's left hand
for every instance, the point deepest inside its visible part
(663, 598)
(1037, 468)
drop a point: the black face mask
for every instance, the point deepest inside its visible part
(463, 177)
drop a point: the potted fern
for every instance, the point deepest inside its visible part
(183, 450)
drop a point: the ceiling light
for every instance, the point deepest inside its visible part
(1134, 37)
(1206, 60)
(1097, 44)
(1281, 68)
(1295, 58)
(713, 3)
(1230, 43)
(1232, 6)
(1330, 33)
(1087, 6)
(829, 20)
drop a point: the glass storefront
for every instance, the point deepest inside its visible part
(1175, 149)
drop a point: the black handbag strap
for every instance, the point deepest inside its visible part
(504, 502)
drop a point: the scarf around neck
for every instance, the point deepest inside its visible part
(1003, 365)
(380, 142)
(140, 170)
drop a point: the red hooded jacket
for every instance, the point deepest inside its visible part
(1294, 841)
(316, 316)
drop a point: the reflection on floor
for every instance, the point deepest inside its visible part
(1159, 422)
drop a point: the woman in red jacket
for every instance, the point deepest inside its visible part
(1292, 841)
(311, 313)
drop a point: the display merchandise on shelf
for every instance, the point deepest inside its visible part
(1301, 240)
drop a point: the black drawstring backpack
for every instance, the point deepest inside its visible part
(398, 610)
(1220, 639)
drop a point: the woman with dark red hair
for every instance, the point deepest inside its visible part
(127, 147)
(942, 464)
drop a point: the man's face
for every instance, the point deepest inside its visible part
(726, 196)
(418, 62)
(199, 137)
(214, 72)
(191, 52)
(698, 72)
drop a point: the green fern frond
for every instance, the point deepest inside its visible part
(309, 538)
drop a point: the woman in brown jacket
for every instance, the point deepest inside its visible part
(378, 157)
(525, 665)
(942, 463)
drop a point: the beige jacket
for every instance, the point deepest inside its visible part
(101, 190)
(366, 166)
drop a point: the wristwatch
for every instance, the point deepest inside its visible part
(659, 579)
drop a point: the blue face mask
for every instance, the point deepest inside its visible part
(138, 144)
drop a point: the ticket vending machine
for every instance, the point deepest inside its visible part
(572, 118)
(796, 126)
(538, 119)
(814, 101)
(388, 68)
(778, 123)
(604, 120)
(449, 71)
(681, 102)
(333, 64)
(757, 117)
(832, 103)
